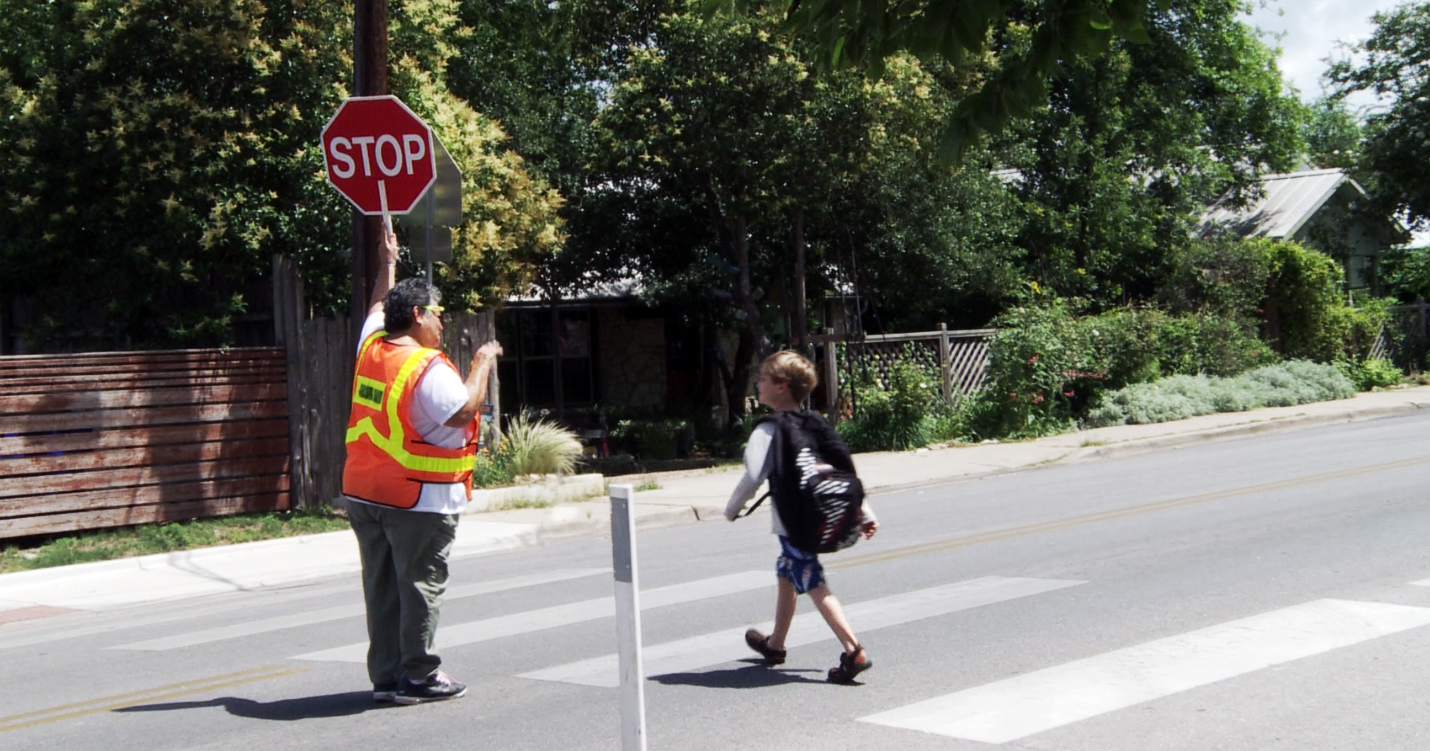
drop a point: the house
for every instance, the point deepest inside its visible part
(601, 346)
(1322, 209)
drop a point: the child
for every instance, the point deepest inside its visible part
(774, 452)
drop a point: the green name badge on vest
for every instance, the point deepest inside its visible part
(369, 393)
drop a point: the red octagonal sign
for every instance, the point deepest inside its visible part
(379, 154)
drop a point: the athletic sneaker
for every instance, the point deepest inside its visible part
(850, 666)
(761, 643)
(384, 691)
(437, 687)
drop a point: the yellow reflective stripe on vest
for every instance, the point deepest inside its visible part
(392, 445)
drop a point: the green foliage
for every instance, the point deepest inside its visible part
(1183, 396)
(494, 468)
(1029, 361)
(1134, 144)
(1333, 135)
(1224, 277)
(538, 447)
(160, 152)
(895, 414)
(1406, 272)
(1210, 344)
(1055, 33)
(1306, 315)
(1394, 63)
(103, 545)
(1048, 367)
(651, 439)
(1370, 372)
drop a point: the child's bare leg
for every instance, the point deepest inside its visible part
(833, 614)
(785, 601)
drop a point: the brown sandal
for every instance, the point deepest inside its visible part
(761, 643)
(850, 665)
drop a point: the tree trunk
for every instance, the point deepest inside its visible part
(801, 312)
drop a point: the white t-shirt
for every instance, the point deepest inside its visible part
(440, 393)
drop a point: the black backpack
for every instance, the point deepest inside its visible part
(828, 512)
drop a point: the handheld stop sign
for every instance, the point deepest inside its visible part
(379, 154)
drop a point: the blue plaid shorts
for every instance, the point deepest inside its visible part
(802, 569)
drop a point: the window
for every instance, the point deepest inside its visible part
(550, 350)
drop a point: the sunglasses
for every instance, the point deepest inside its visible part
(435, 309)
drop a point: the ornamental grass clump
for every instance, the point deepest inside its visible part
(536, 447)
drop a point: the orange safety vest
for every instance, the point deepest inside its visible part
(387, 458)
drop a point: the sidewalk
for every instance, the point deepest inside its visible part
(681, 497)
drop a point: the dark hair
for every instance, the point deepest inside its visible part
(402, 298)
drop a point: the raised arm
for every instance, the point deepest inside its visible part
(477, 379)
(387, 272)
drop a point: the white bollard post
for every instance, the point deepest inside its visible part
(628, 618)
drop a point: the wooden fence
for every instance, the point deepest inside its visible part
(111, 439)
(960, 357)
(1405, 338)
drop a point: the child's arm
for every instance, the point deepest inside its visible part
(868, 522)
(757, 468)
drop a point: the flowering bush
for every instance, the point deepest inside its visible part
(895, 414)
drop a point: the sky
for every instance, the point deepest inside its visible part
(1312, 29)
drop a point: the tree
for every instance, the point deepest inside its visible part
(730, 173)
(1135, 143)
(963, 33)
(163, 151)
(1394, 64)
(1333, 135)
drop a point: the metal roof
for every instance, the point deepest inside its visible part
(1287, 202)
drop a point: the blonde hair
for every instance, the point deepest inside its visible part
(794, 370)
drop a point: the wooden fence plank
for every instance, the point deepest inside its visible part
(143, 495)
(119, 418)
(133, 515)
(123, 477)
(135, 399)
(86, 382)
(111, 459)
(159, 435)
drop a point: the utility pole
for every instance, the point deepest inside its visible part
(369, 79)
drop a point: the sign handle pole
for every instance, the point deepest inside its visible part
(382, 196)
(628, 618)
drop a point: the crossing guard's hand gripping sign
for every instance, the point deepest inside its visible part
(378, 153)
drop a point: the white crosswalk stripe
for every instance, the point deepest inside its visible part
(458, 634)
(1035, 702)
(352, 610)
(726, 645)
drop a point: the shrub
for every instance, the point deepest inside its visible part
(652, 439)
(1211, 344)
(494, 469)
(1182, 396)
(1224, 278)
(1370, 373)
(894, 415)
(1029, 359)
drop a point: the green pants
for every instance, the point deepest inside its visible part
(404, 575)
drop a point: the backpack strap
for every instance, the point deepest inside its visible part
(755, 505)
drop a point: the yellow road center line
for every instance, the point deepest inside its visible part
(1076, 521)
(135, 698)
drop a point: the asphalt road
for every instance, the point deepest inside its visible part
(1262, 593)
